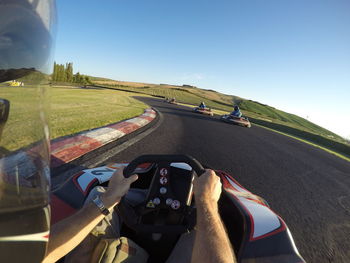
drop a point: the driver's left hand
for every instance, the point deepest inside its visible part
(118, 186)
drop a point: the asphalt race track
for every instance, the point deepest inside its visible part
(308, 187)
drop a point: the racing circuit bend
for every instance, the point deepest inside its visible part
(308, 187)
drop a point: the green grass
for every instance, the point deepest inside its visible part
(181, 95)
(282, 117)
(72, 110)
(23, 124)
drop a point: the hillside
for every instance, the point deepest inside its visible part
(193, 95)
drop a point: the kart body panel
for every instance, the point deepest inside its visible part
(242, 121)
(205, 111)
(257, 233)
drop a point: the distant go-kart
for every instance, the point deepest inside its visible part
(172, 101)
(242, 121)
(206, 111)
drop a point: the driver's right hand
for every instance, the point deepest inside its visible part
(118, 186)
(207, 187)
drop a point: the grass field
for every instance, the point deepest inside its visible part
(23, 125)
(72, 110)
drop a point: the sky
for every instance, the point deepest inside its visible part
(292, 55)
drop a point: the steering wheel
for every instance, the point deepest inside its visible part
(167, 208)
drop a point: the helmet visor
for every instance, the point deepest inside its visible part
(26, 37)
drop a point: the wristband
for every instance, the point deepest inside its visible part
(98, 202)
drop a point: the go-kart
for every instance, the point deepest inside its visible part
(206, 111)
(257, 234)
(242, 121)
(172, 101)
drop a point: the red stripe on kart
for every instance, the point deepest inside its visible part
(276, 231)
(59, 209)
(224, 178)
(116, 165)
(75, 181)
(227, 184)
(88, 187)
(145, 165)
(222, 174)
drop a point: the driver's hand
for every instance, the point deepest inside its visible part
(207, 187)
(118, 186)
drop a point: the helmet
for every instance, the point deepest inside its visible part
(236, 107)
(26, 36)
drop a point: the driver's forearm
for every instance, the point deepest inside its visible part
(68, 233)
(211, 241)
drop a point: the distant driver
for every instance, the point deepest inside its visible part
(237, 112)
(202, 105)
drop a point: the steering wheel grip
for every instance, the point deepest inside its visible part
(156, 158)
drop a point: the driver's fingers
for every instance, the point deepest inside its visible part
(132, 178)
(207, 172)
(119, 171)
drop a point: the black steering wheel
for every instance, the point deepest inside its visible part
(167, 207)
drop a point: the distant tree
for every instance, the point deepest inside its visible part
(64, 73)
(69, 72)
(87, 80)
(54, 74)
(60, 73)
(76, 77)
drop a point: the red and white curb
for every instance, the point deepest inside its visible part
(67, 149)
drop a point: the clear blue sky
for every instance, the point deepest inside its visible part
(293, 55)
